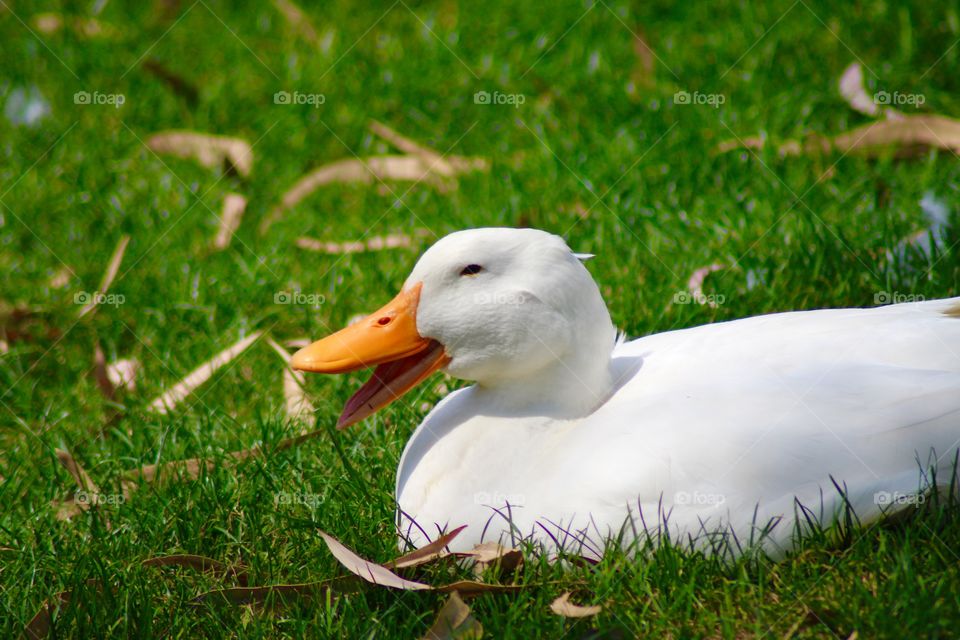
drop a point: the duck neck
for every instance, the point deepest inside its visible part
(572, 386)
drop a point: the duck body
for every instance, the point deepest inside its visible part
(718, 428)
(572, 437)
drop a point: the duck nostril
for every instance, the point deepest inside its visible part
(385, 320)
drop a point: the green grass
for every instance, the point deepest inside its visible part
(596, 132)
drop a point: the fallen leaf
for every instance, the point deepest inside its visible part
(428, 552)
(563, 607)
(645, 70)
(376, 243)
(904, 134)
(51, 23)
(454, 621)
(295, 16)
(855, 93)
(369, 571)
(172, 397)
(904, 137)
(41, 625)
(211, 151)
(298, 406)
(111, 272)
(695, 284)
(79, 475)
(468, 588)
(100, 372)
(487, 554)
(420, 164)
(260, 595)
(122, 374)
(199, 563)
(234, 205)
(180, 85)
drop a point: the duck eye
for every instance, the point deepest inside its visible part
(471, 270)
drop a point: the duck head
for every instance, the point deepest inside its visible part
(512, 309)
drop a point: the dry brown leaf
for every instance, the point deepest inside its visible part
(646, 68)
(298, 405)
(100, 373)
(295, 16)
(469, 588)
(66, 510)
(172, 397)
(61, 278)
(51, 23)
(260, 595)
(199, 563)
(189, 468)
(376, 243)
(111, 272)
(411, 147)
(369, 571)
(487, 554)
(209, 150)
(405, 168)
(454, 622)
(420, 164)
(180, 85)
(122, 374)
(428, 552)
(80, 476)
(234, 205)
(855, 93)
(954, 311)
(41, 625)
(695, 285)
(563, 607)
(905, 134)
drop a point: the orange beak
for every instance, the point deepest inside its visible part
(387, 339)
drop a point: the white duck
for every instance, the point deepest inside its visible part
(572, 436)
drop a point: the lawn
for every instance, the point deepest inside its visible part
(575, 110)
